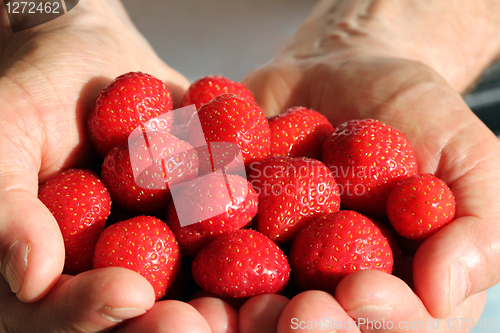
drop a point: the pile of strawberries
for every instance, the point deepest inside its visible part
(278, 224)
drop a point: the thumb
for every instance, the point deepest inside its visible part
(31, 245)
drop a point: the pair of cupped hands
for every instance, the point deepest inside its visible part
(404, 63)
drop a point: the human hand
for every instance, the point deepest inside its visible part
(403, 63)
(50, 76)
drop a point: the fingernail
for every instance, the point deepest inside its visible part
(371, 313)
(459, 285)
(16, 263)
(120, 314)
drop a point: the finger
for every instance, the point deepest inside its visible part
(261, 313)
(235, 303)
(167, 317)
(316, 312)
(31, 245)
(461, 256)
(89, 302)
(220, 316)
(383, 303)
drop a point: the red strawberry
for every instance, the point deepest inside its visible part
(139, 175)
(299, 132)
(292, 193)
(230, 202)
(200, 93)
(143, 244)
(232, 119)
(226, 156)
(240, 264)
(205, 89)
(367, 158)
(390, 235)
(80, 204)
(419, 206)
(127, 103)
(336, 245)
